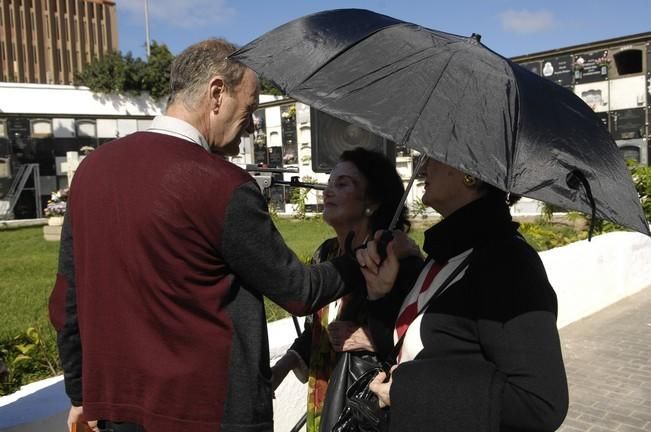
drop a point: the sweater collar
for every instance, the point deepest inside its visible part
(468, 227)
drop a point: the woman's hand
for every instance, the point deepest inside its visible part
(282, 367)
(380, 275)
(382, 389)
(348, 336)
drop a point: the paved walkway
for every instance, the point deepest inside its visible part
(608, 362)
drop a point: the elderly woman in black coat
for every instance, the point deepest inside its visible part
(480, 352)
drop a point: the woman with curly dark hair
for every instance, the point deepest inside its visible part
(362, 195)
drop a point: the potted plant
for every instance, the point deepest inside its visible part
(579, 63)
(56, 207)
(603, 63)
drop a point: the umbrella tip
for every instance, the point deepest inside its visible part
(476, 36)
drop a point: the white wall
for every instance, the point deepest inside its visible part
(589, 276)
(70, 100)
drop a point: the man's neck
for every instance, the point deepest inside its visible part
(180, 112)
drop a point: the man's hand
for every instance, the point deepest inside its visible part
(404, 246)
(348, 336)
(76, 415)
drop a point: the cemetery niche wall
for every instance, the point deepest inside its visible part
(41, 124)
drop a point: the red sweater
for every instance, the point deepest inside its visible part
(166, 252)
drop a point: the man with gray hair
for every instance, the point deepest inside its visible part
(166, 252)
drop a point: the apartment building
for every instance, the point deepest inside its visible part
(48, 41)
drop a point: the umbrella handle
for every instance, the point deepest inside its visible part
(382, 244)
(415, 173)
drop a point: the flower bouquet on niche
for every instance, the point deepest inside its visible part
(56, 207)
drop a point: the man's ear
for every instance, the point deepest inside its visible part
(217, 92)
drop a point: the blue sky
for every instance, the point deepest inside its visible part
(510, 27)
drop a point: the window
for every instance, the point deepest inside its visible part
(3, 129)
(41, 128)
(86, 128)
(628, 62)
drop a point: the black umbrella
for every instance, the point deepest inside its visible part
(457, 101)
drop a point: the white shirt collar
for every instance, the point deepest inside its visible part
(178, 128)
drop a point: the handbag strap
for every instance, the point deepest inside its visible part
(391, 360)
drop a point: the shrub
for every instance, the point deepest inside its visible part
(27, 357)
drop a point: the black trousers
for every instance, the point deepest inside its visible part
(109, 426)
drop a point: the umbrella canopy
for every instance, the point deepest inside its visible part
(457, 101)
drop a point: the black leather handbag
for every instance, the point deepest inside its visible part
(350, 367)
(362, 412)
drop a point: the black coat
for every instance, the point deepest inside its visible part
(491, 357)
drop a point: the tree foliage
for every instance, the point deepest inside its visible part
(125, 74)
(642, 180)
(269, 88)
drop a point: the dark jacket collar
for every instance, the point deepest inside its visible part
(468, 227)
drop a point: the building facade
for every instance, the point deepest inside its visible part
(614, 78)
(49, 41)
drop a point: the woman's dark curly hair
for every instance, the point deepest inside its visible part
(384, 186)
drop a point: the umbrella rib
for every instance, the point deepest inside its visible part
(407, 135)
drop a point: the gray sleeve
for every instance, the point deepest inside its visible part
(68, 338)
(257, 255)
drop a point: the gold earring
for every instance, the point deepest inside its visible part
(469, 180)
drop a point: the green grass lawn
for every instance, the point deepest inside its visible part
(28, 268)
(27, 271)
